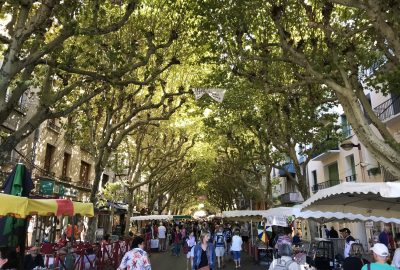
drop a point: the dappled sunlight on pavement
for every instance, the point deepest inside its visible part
(165, 261)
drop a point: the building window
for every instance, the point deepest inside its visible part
(347, 130)
(315, 179)
(66, 161)
(84, 173)
(333, 172)
(106, 177)
(350, 169)
(50, 149)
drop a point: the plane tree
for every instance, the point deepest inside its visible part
(58, 56)
(282, 46)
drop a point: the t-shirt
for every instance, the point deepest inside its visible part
(204, 259)
(161, 231)
(228, 234)
(378, 266)
(349, 241)
(136, 259)
(236, 243)
(219, 240)
(353, 263)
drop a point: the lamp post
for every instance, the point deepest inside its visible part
(347, 146)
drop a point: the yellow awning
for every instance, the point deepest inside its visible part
(13, 205)
(20, 207)
(59, 207)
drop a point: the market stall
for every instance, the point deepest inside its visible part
(13, 205)
(152, 217)
(368, 199)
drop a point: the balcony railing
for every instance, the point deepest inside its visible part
(323, 185)
(388, 108)
(351, 178)
(51, 123)
(65, 178)
(291, 197)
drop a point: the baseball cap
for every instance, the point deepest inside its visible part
(345, 230)
(380, 250)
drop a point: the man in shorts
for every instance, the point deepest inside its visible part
(220, 245)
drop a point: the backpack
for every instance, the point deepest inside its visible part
(282, 265)
(185, 247)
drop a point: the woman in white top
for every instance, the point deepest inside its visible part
(236, 248)
(396, 256)
(191, 242)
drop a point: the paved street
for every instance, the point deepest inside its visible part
(164, 261)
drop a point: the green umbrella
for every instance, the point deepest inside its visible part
(19, 183)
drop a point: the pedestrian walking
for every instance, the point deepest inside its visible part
(349, 240)
(355, 260)
(381, 255)
(177, 241)
(285, 261)
(220, 246)
(236, 248)
(137, 258)
(162, 234)
(204, 253)
(190, 243)
(396, 256)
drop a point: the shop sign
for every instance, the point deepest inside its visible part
(46, 186)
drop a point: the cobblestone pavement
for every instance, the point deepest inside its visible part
(165, 261)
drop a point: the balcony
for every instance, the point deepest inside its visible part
(387, 176)
(323, 185)
(65, 178)
(86, 185)
(388, 109)
(289, 168)
(48, 173)
(51, 124)
(291, 197)
(351, 178)
(326, 154)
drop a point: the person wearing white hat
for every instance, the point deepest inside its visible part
(381, 255)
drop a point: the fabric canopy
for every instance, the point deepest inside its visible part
(59, 207)
(12, 205)
(152, 217)
(277, 215)
(243, 215)
(21, 207)
(367, 199)
(324, 217)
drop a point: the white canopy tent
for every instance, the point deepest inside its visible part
(381, 200)
(243, 215)
(278, 216)
(152, 217)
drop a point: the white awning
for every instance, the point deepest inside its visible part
(152, 217)
(367, 199)
(243, 215)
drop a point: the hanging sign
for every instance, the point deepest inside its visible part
(46, 186)
(216, 94)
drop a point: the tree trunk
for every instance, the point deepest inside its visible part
(130, 211)
(93, 199)
(92, 227)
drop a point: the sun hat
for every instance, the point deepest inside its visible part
(380, 250)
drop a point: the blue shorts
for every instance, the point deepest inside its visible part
(236, 255)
